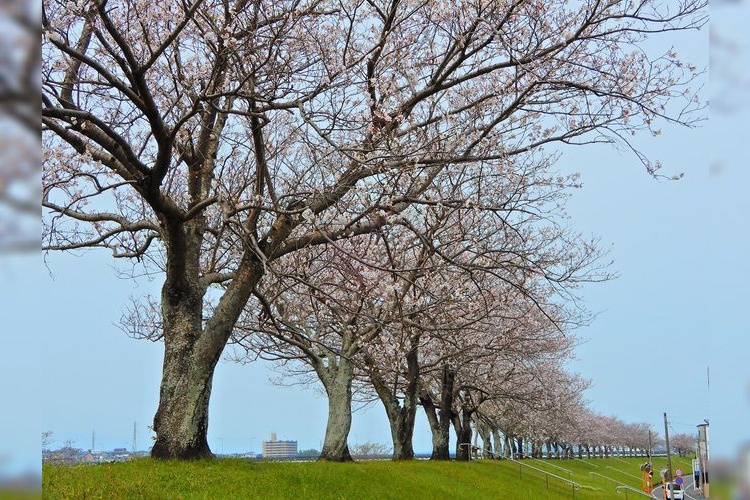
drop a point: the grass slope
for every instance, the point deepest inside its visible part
(235, 478)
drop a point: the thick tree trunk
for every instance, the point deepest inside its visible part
(462, 426)
(181, 421)
(440, 431)
(400, 417)
(440, 444)
(192, 346)
(509, 446)
(190, 357)
(484, 431)
(440, 424)
(337, 379)
(499, 449)
(402, 431)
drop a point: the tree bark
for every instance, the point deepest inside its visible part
(499, 448)
(484, 431)
(462, 425)
(509, 447)
(440, 424)
(440, 432)
(192, 349)
(337, 379)
(402, 432)
(181, 420)
(400, 417)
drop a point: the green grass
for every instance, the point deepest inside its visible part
(235, 478)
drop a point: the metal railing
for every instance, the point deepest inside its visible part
(623, 472)
(576, 486)
(550, 464)
(634, 490)
(477, 448)
(620, 483)
(620, 460)
(586, 461)
(621, 486)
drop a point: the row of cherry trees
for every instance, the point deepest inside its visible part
(359, 186)
(572, 431)
(473, 346)
(455, 304)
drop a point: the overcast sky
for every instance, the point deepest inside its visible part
(680, 249)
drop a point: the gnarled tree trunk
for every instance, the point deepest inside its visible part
(510, 446)
(440, 424)
(484, 431)
(462, 425)
(499, 448)
(337, 379)
(400, 417)
(402, 432)
(191, 348)
(181, 421)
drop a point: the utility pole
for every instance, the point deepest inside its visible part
(649, 447)
(669, 457)
(703, 458)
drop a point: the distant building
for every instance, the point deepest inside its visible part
(279, 449)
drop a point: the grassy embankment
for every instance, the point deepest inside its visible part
(237, 479)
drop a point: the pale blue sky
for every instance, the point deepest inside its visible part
(680, 248)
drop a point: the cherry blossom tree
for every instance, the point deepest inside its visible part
(373, 303)
(606, 435)
(504, 366)
(206, 139)
(321, 317)
(637, 439)
(537, 413)
(684, 444)
(483, 276)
